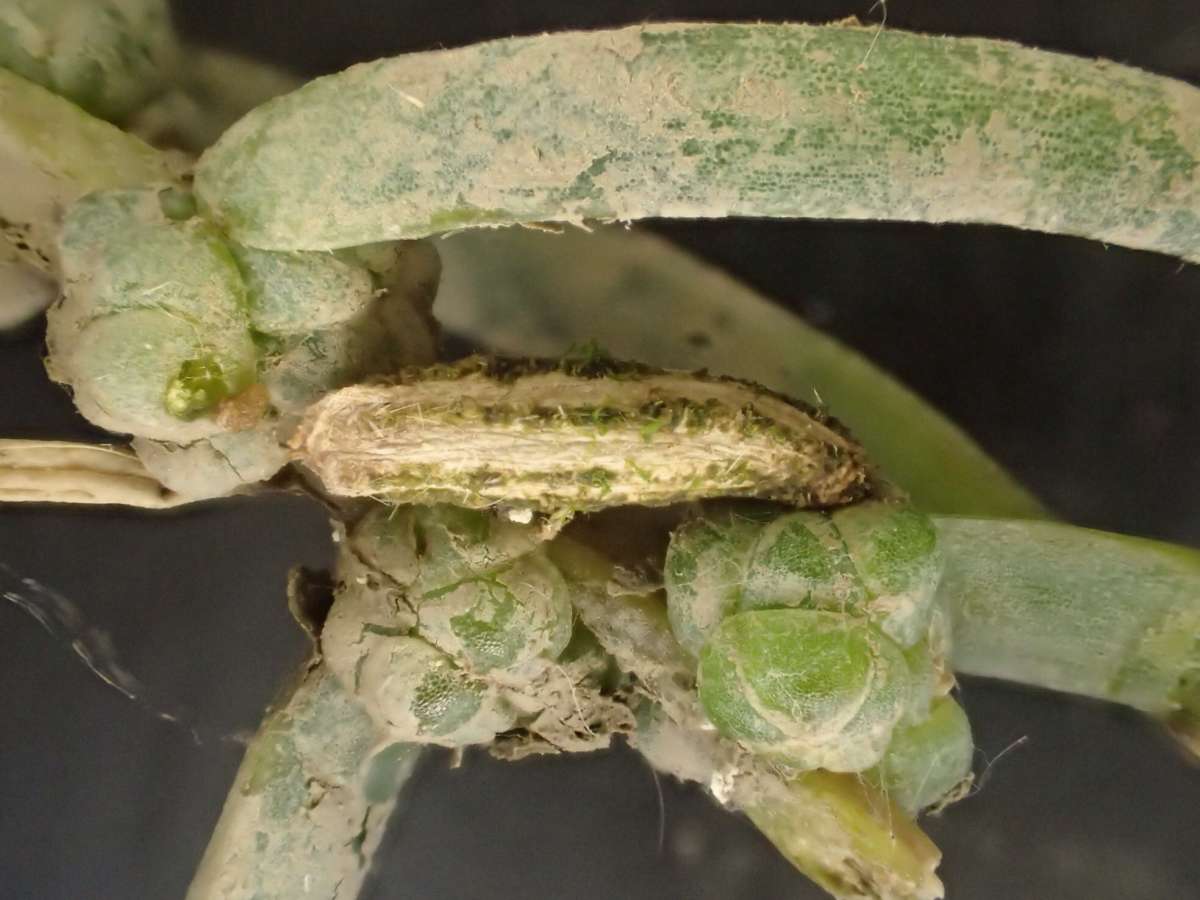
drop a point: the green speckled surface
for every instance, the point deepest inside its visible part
(692, 121)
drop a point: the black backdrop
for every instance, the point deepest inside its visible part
(1075, 364)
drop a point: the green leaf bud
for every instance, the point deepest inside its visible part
(800, 561)
(704, 574)
(421, 696)
(928, 760)
(813, 689)
(481, 587)
(500, 620)
(152, 331)
(895, 550)
(429, 548)
(387, 327)
(302, 293)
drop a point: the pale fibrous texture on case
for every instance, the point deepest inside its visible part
(583, 434)
(704, 120)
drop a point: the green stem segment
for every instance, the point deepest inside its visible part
(1070, 609)
(309, 804)
(708, 121)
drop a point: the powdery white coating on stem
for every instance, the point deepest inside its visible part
(308, 807)
(705, 120)
(550, 437)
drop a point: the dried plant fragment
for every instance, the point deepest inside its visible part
(62, 472)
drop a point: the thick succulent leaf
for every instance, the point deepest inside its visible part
(712, 120)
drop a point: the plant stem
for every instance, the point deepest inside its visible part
(1104, 615)
(835, 828)
(309, 804)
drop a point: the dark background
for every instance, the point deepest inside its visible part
(1075, 364)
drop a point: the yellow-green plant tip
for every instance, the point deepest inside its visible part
(848, 838)
(811, 688)
(177, 204)
(927, 761)
(120, 368)
(200, 385)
